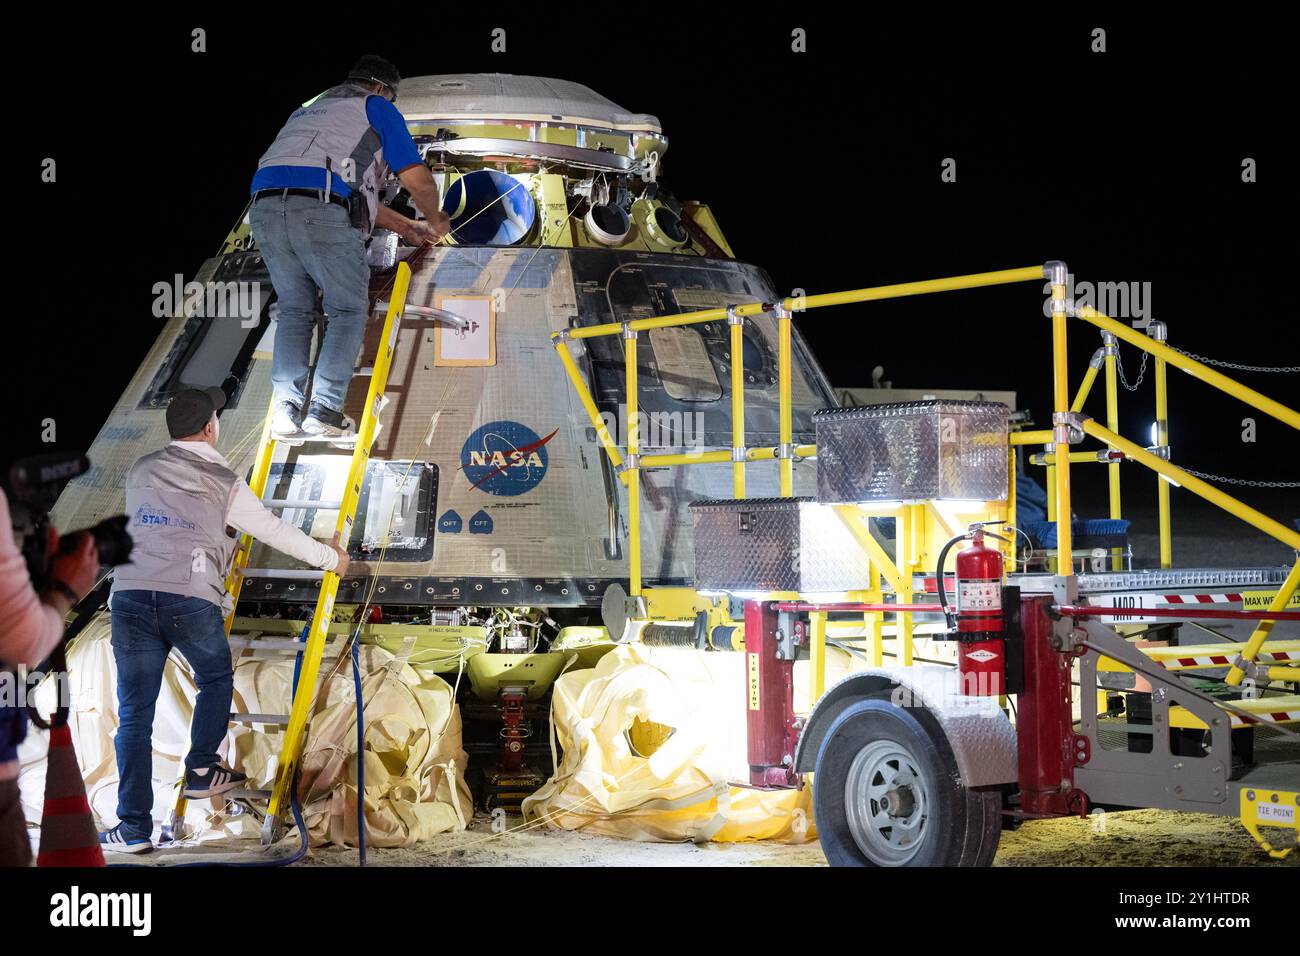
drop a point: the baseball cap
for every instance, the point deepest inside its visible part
(190, 410)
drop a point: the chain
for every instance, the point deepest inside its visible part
(1243, 481)
(1285, 369)
(1142, 371)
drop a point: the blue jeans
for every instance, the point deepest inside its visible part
(310, 245)
(146, 625)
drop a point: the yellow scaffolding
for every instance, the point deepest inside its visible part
(1069, 425)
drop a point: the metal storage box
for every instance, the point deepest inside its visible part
(774, 544)
(912, 452)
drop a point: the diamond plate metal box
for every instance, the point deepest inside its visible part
(774, 544)
(912, 452)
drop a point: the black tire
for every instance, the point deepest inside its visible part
(983, 827)
(871, 738)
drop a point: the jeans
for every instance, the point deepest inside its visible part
(15, 844)
(308, 244)
(146, 625)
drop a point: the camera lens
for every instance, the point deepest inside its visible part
(112, 541)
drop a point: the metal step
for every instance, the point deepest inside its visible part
(1202, 656)
(244, 794)
(302, 503)
(267, 643)
(1170, 579)
(286, 574)
(1280, 709)
(279, 720)
(279, 644)
(331, 439)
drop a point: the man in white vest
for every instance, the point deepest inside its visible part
(172, 593)
(315, 203)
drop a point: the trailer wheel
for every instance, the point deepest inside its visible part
(887, 793)
(983, 827)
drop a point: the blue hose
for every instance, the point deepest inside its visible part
(361, 748)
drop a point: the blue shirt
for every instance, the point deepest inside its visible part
(399, 153)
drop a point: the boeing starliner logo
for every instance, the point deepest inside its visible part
(505, 458)
(147, 515)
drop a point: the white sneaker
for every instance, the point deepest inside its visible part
(118, 842)
(284, 424)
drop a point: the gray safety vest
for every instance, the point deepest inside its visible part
(332, 133)
(176, 505)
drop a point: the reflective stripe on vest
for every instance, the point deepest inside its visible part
(176, 504)
(333, 133)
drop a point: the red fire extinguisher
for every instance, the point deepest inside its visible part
(977, 623)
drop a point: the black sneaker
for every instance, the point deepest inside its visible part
(327, 423)
(118, 842)
(211, 781)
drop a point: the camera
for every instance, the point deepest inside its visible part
(34, 486)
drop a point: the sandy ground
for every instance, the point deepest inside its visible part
(1134, 838)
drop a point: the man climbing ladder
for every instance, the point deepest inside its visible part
(180, 500)
(315, 201)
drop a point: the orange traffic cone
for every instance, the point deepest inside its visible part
(68, 835)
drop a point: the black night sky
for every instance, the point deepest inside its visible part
(823, 167)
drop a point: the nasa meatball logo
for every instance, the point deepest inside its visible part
(505, 458)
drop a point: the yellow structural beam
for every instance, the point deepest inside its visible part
(718, 457)
(588, 403)
(686, 458)
(1276, 709)
(1112, 422)
(872, 294)
(1061, 406)
(633, 471)
(1085, 388)
(786, 401)
(1162, 441)
(1040, 437)
(737, 404)
(1194, 368)
(1256, 640)
(1010, 549)
(767, 454)
(881, 562)
(257, 482)
(1076, 458)
(903, 531)
(1193, 484)
(971, 281)
(817, 656)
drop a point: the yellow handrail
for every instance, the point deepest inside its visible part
(973, 281)
(1195, 485)
(1194, 368)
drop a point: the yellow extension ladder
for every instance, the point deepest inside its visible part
(295, 722)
